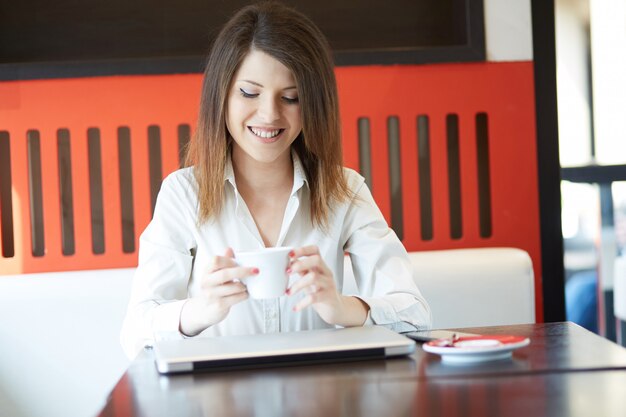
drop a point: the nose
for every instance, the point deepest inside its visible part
(268, 110)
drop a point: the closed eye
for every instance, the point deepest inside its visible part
(246, 94)
(290, 100)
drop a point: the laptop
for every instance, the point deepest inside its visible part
(279, 349)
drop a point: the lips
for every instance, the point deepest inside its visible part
(266, 135)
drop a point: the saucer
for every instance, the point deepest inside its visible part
(473, 349)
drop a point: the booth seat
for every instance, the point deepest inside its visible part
(60, 330)
(472, 287)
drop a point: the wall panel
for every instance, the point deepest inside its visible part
(501, 92)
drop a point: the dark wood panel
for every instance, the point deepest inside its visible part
(121, 33)
(548, 165)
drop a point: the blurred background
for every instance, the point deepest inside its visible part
(591, 92)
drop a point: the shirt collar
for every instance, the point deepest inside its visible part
(229, 173)
(299, 175)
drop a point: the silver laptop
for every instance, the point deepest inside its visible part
(279, 349)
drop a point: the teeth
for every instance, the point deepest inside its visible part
(264, 133)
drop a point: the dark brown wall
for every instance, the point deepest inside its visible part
(178, 34)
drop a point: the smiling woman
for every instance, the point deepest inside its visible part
(263, 110)
(265, 170)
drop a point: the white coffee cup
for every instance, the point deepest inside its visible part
(272, 279)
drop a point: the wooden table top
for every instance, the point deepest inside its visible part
(566, 370)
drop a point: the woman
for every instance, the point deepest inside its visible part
(264, 169)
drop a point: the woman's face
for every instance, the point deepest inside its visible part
(262, 110)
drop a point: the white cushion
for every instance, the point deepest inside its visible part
(472, 287)
(60, 340)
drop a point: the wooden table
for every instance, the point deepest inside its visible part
(565, 371)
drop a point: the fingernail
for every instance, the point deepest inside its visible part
(292, 254)
(255, 271)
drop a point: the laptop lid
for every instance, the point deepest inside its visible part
(279, 349)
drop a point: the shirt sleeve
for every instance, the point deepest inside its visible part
(382, 269)
(160, 283)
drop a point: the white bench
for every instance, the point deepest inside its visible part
(59, 341)
(472, 287)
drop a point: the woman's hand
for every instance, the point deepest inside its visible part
(221, 289)
(317, 282)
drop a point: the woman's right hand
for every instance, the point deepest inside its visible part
(221, 288)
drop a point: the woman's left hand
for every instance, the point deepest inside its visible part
(317, 282)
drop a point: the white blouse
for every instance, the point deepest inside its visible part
(174, 252)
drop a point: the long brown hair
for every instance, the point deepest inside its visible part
(295, 41)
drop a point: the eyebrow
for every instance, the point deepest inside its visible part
(261, 85)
